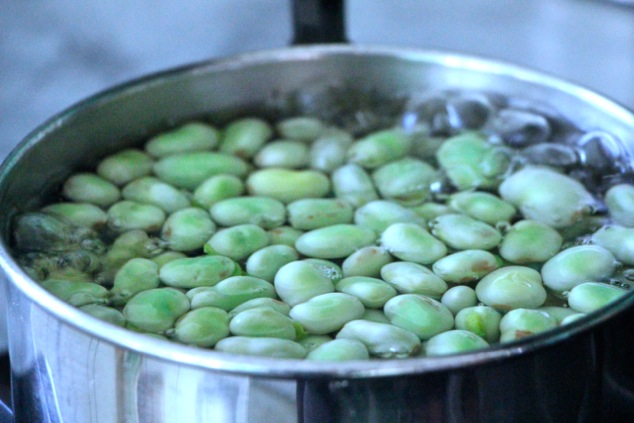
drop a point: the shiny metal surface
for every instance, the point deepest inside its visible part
(70, 367)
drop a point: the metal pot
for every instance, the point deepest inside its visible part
(70, 367)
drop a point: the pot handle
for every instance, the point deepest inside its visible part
(318, 21)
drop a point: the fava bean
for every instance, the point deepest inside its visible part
(153, 191)
(288, 185)
(310, 342)
(379, 148)
(136, 275)
(418, 314)
(619, 200)
(565, 202)
(282, 153)
(125, 166)
(217, 188)
(406, 181)
(190, 137)
(284, 235)
(262, 211)
(462, 232)
(105, 313)
(76, 293)
(237, 242)
(619, 240)
(411, 242)
(156, 310)
(381, 339)
(188, 229)
(91, 188)
(202, 327)
(465, 266)
(352, 183)
(482, 206)
(260, 302)
(166, 257)
(192, 272)
(80, 214)
(302, 128)
(523, 322)
(380, 214)
(314, 213)
(375, 315)
(265, 262)
(578, 264)
(372, 292)
(129, 215)
(511, 287)
(299, 281)
(530, 241)
(453, 342)
(484, 321)
(413, 278)
(189, 170)
(244, 137)
(366, 261)
(326, 313)
(458, 298)
(590, 296)
(262, 322)
(264, 347)
(231, 292)
(335, 241)
(328, 268)
(328, 152)
(339, 350)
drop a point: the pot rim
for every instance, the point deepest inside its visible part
(287, 368)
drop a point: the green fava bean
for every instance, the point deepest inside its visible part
(284, 235)
(217, 188)
(530, 241)
(367, 261)
(418, 314)
(265, 262)
(406, 181)
(105, 313)
(263, 347)
(310, 342)
(262, 322)
(462, 156)
(411, 242)
(339, 350)
(382, 339)
(511, 287)
(619, 200)
(523, 322)
(314, 213)
(244, 137)
(590, 296)
(156, 310)
(299, 281)
(328, 152)
(237, 242)
(576, 265)
(431, 210)
(265, 212)
(129, 215)
(619, 240)
(129, 245)
(547, 196)
(189, 170)
(380, 214)
(91, 188)
(288, 185)
(572, 318)
(375, 315)
(125, 166)
(77, 293)
(454, 342)
(559, 313)
(302, 128)
(328, 268)
(81, 214)
(190, 137)
(167, 256)
(462, 232)
(484, 321)
(188, 229)
(336, 241)
(482, 206)
(372, 292)
(151, 190)
(267, 302)
(202, 327)
(458, 298)
(413, 278)
(136, 275)
(192, 272)
(231, 292)
(327, 313)
(465, 266)
(352, 183)
(379, 148)
(282, 153)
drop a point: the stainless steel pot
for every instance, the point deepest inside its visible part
(70, 367)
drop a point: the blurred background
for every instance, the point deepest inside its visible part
(55, 53)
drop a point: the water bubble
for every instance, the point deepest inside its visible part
(468, 111)
(551, 154)
(521, 128)
(600, 151)
(629, 274)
